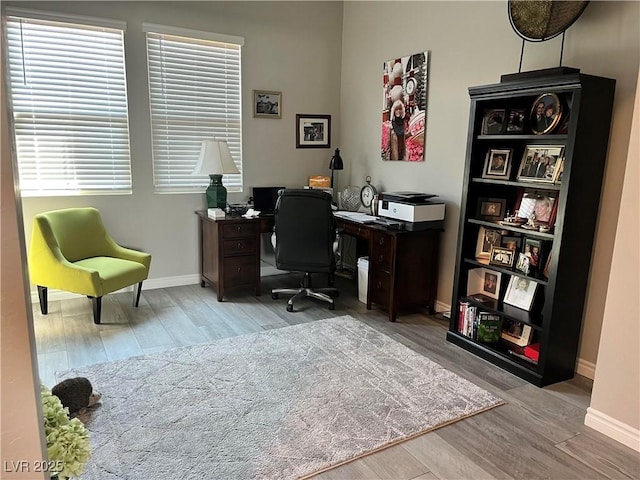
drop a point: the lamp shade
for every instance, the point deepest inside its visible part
(215, 158)
(336, 161)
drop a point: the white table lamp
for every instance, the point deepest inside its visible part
(215, 160)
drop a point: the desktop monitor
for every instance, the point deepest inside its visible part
(264, 198)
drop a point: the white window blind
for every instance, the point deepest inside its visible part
(194, 92)
(69, 101)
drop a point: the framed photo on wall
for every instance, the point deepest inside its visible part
(267, 104)
(313, 131)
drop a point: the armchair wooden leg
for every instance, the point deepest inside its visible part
(138, 295)
(97, 309)
(42, 296)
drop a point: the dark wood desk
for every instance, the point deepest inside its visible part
(403, 265)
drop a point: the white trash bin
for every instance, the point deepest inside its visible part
(363, 278)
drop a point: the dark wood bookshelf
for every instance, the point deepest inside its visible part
(582, 130)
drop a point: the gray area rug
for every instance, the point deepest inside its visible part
(280, 404)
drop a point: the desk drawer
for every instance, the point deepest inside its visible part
(239, 230)
(380, 286)
(239, 270)
(239, 246)
(382, 251)
(356, 231)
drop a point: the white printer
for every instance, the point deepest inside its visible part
(413, 207)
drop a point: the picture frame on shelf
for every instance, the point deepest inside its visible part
(267, 104)
(493, 121)
(546, 113)
(515, 332)
(547, 267)
(313, 131)
(502, 257)
(539, 163)
(484, 282)
(522, 265)
(487, 238)
(511, 242)
(520, 292)
(559, 171)
(515, 120)
(492, 209)
(497, 164)
(538, 206)
(532, 248)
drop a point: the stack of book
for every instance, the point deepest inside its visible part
(478, 324)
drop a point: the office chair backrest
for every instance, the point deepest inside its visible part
(305, 230)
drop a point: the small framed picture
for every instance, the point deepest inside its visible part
(267, 104)
(493, 122)
(520, 292)
(515, 332)
(313, 131)
(533, 249)
(497, 164)
(546, 113)
(539, 208)
(512, 243)
(522, 265)
(539, 163)
(502, 257)
(491, 208)
(487, 238)
(515, 120)
(484, 281)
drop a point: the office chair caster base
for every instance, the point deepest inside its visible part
(332, 306)
(289, 308)
(275, 296)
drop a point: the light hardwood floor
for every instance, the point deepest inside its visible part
(538, 434)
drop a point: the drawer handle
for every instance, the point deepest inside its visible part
(380, 258)
(238, 228)
(239, 245)
(381, 241)
(239, 269)
(379, 285)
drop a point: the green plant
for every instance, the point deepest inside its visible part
(67, 440)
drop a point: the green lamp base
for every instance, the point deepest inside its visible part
(216, 192)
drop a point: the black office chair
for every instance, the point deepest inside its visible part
(305, 241)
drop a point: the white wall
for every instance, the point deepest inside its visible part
(289, 47)
(615, 402)
(472, 43)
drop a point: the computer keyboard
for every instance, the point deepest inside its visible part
(358, 217)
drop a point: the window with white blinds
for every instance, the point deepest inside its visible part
(194, 92)
(69, 100)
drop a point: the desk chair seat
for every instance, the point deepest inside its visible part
(71, 250)
(305, 241)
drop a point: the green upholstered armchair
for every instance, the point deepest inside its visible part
(72, 251)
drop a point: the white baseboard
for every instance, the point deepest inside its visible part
(442, 307)
(612, 428)
(150, 284)
(586, 369)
